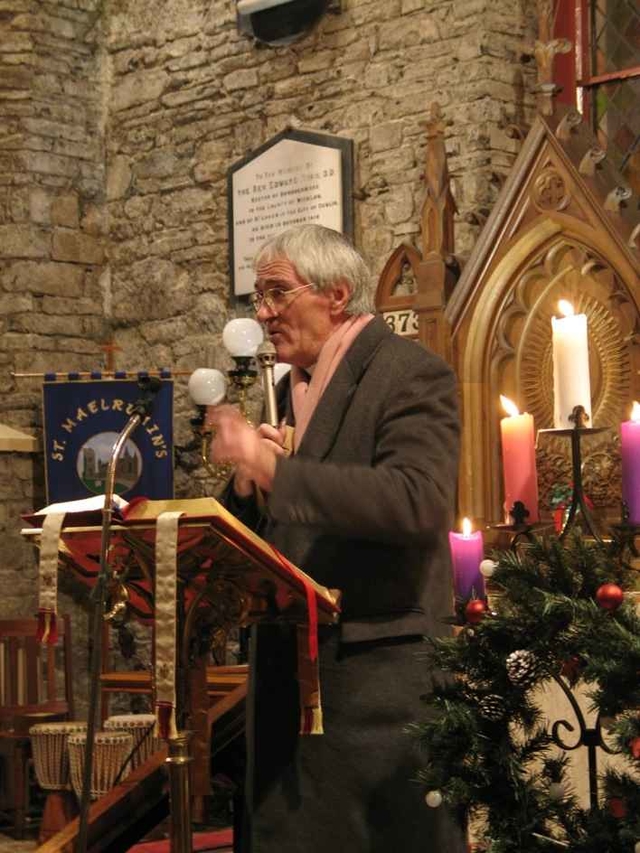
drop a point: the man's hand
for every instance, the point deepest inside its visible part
(253, 452)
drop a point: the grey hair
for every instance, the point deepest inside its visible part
(323, 257)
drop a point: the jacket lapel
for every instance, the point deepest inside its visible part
(334, 403)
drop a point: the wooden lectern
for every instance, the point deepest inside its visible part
(225, 576)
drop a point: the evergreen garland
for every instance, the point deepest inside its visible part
(489, 752)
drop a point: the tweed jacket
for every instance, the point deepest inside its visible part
(365, 504)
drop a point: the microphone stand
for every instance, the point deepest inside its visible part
(142, 408)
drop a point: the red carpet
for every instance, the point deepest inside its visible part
(220, 839)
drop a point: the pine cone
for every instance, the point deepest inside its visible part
(523, 668)
(492, 708)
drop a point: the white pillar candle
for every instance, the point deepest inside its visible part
(571, 383)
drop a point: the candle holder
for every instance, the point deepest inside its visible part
(520, 528)
(578, 504)
(626, 531)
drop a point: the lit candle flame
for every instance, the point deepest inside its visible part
(466, 527)
(635, 411)
(509, 406)
(566, 308)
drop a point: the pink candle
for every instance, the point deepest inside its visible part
(630, 448)
(518, 461)
(467, 552)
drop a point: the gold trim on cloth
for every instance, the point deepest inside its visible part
(48, 577)
(166, 623)
(308, 686)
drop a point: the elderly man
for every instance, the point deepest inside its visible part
(362, 505)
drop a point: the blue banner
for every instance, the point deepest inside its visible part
(82, 420)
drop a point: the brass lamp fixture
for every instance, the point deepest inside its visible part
(207, 387)
(241, 338)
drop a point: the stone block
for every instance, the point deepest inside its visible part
(16, 342)
(118, 177)
(377, 242)
(64, 305)
(386, 136)
(212, 160)
(18, 77)
(55, 278)
(247, 136)
(17, 205)
(14, 41)
(137, 88)
(50, 164)
(157, 164)
(175, 209)
(192, 95)
(89, 149)
(94, 220)
(411, 30)
(40, 206)
(317, 61)
(45, 324)
(23, 241)
(399, 205)
(13, 303)
(244, 78)
(65, 210)
(409, 6)
(76, 247)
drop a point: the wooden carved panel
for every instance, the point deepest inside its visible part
(521, 365)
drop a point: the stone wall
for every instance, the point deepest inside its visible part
(52, 247)
(191, 96)
(118, 122)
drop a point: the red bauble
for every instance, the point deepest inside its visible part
(634, 747)
(609, 596)
(617, 807)
(475, 610)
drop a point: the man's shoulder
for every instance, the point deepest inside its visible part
(396, 349)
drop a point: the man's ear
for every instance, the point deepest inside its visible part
(339, 297)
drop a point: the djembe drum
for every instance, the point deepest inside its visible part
(110, 752)
(51, 764)
(141, 727)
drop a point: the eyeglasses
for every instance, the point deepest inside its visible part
(275, 298)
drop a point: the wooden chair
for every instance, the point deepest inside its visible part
(35, 686)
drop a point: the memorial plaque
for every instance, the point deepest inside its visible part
(298, 177)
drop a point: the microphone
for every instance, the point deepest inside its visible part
(149, 387)
(266, 358)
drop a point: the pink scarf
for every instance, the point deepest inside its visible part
(305, 394)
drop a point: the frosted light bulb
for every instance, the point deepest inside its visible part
(207, 386)
(242, 337)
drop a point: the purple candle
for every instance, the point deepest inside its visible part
(467, 552)
(630, 446)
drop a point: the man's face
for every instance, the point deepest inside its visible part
(298, 323)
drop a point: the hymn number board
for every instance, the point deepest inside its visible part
(295, 178)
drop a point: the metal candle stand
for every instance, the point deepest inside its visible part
(520, 528)
(579, 430)
(589, 736)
